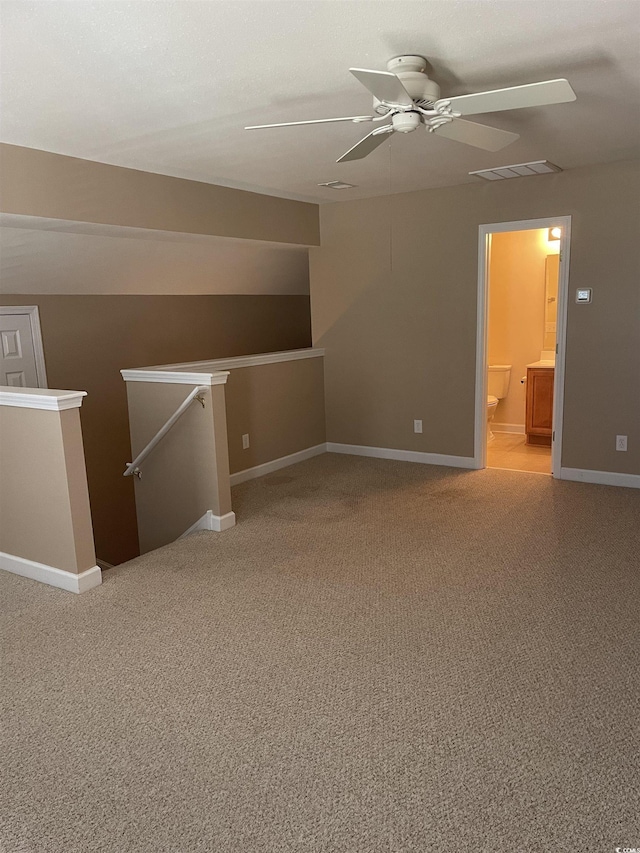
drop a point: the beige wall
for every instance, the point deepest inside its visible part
(44, 502)
(516, 311)
(39, 183)
(280, 406)
(187, 473)
(39, 260)
(89, 339)
(397, 315)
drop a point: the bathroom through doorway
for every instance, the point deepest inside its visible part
(523, 282)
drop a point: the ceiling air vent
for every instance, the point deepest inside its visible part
(337, 185)
(520, 170)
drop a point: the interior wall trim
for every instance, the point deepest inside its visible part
(41, 398)
(60, 578)
(484, 246)
(172, 377)
(603, 478)
(403, 455)
(276, 464)
(244, 360)
(209, 521)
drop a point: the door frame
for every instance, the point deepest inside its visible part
(484, 250)
(36, 335)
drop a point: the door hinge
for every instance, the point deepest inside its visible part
(553, 435)
(556, 349)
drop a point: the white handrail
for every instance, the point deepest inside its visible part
(132, 467)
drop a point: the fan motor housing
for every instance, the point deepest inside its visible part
(419, 86)
(407, 62)
(412, 71)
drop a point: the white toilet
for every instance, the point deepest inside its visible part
(497, 388)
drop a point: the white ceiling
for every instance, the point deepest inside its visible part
(168, 86)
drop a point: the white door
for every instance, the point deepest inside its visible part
(18, 362)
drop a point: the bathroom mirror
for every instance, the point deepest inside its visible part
(552, 268)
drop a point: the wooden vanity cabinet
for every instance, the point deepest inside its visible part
(539, 406)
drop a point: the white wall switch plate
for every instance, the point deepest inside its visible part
(245, 441)
(417, 426)
(583, 295)
(621, 442)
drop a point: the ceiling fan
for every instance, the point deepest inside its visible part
(406, 96)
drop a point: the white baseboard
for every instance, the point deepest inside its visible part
(223, 522)
(276, 464)
(403, 455)
(516, 429)
(209, 521)
(102, 564)
(70, 581)
(603, 478)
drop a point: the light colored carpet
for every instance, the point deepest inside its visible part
(379, 657)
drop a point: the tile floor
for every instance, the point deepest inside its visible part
(508, 450)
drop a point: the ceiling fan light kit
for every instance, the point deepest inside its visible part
(409, 99)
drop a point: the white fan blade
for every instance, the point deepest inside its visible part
(478, 135)
(384, 86)
(313, 121)
(366, 145)
(515, 98)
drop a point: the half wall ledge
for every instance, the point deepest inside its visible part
(46, 532)
(275, 399)
(182, 484)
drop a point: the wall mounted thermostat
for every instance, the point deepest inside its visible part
(583, 295)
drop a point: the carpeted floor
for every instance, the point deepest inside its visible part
(379, 657)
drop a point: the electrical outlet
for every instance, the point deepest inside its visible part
(417, 426)
(621, 442)
(245, 441)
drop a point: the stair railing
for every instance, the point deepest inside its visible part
(195, 394)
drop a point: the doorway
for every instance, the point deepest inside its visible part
(21, 351)
(520, 349)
